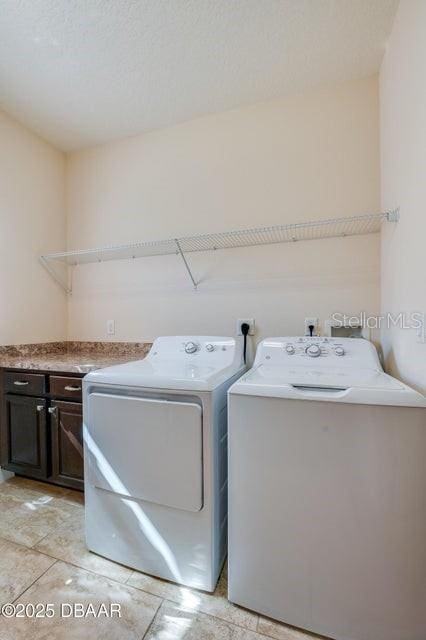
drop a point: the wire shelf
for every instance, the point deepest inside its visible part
(314, 230)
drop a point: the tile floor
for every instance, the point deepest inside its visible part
(43, 559)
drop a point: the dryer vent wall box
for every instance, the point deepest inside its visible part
(309, 518)
(155, 438)
(347, 330)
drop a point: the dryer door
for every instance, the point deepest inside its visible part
(147, 449)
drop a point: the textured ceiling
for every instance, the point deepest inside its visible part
(83, 72)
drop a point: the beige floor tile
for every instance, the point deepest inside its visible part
(27, 516)
(161, 588)
(215, 604)
(10, 489)
(69, 495)
(19, 568)
(42, 493)
(66, 584)
(75, 497)
(279, 631)
(67, 543)
(174, 622)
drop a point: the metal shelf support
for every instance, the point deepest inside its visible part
(182, 255)
(58, 279)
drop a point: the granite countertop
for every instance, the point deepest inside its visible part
(71, 357)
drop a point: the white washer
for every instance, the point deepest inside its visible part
(327, 491)
(155, 443)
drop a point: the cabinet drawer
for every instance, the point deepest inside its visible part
(63, 387)
(28, 384)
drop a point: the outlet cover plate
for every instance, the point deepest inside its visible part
(249, 321)
(313, 321)
(111, 327)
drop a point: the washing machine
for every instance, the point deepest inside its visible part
(327, 491)
(155, 447)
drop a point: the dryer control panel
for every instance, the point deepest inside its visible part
(318, 351)
(213, 351)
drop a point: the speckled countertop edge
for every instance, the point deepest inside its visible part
(72, 356)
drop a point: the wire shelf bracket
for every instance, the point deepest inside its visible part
(185, 262)
(58, 279)
(300, 231)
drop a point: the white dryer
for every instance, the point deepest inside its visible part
(155, 444)
(327, 491)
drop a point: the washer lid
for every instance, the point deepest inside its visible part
(173, 364)
(361, 386)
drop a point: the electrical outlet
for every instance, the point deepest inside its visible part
(313, 321)
(110, 327)
(249, 321)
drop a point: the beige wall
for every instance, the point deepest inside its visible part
(32, 220)
(403, 150)
(311, 156)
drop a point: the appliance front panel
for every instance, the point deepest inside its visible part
(161, 461)
(327, 517)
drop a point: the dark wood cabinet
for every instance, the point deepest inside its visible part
(28, 384)
(65, 387)
(41, 431)
(66, 425)
(24, 434)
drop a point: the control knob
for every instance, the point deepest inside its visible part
(313, 350)
(290, 349)
(339, 351)
(191, 347)
(209, 347)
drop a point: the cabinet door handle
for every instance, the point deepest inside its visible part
(52, 410)
(40, 407)
(21, 383)
(71, 388)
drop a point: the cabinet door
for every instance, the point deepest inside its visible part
(67, 443)
(24, 441)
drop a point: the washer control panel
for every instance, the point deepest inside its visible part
(324, 351)
(314, 347)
